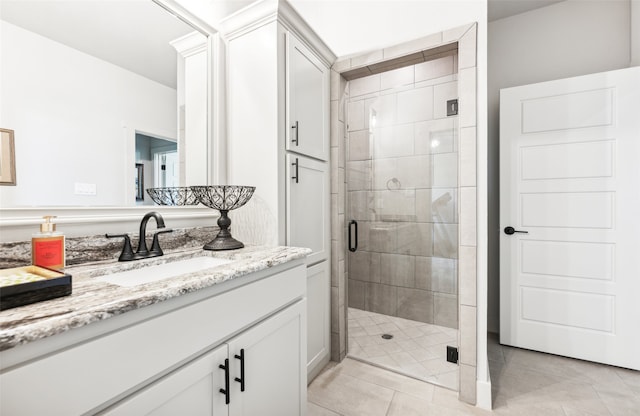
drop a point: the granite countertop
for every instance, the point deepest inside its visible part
(93, 300)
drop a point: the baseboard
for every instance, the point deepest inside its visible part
(483, 394)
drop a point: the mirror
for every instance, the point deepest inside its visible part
(83, 82)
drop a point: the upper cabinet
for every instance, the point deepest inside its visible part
(307, 106)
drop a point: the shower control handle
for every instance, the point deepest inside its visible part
(353, 225)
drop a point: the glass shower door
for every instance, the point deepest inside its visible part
(402, 191)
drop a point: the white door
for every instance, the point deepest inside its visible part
(307, 102)
(318, 318)
(191, 390)
(570, 179)
(274, 380)
(308, 206)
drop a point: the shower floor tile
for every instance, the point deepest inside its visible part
(417, 349)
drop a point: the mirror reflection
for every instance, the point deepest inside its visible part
(104, 97)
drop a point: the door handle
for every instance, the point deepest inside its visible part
(241, 379)
(353, 223)
(510, 230)
(295, 140)
(225, 390)
(295, 164)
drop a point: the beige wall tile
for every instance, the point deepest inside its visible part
(415, 304)
(444, 275)
(467, 391)
(359, 175)
(381, 298)
(423, 273)
(467, 264)
(445, 240)
(444, 205)
(467, 335)
(436, 136)
(413, 172)
(356, 295)
(415, 105)
(467, 99)
(397, 270)
(423, 205)
(445, 170)
(445, 310)
(436, 68)
(467, 50)
(365, 85)
(468, 216)
(468, 156)
(359, 145)
(393, 141)
(355, 115)
(366, 59)
(397, 77)
(342, 65)
(413, 46)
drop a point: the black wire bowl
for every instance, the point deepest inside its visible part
(224, 198)
(178, 196)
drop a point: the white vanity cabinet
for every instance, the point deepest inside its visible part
(165, 359)
(251, 374)
(278, 139)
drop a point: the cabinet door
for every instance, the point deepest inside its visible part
(308, 206)
(307, 101)
(191, 390)
(274, 355)
(318, 318)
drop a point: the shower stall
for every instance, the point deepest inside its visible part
(402, 218)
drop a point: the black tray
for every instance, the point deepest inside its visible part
(54, 285)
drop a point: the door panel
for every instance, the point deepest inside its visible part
(275, 366)
(318, 318)
(307, 104)
(308, 206)
(190, 390)
(569, 177)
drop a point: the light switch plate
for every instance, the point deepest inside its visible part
(85, 188)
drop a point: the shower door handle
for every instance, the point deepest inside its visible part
(353, 225)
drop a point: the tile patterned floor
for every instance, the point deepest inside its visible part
(525, 383)
(416, 349)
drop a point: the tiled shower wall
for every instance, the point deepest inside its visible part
(402, 178)
(465, 38)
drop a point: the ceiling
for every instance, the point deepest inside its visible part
(499, 9)
(135, 34)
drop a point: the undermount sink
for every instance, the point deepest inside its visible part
(162, 271)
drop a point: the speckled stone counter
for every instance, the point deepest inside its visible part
(93, 300)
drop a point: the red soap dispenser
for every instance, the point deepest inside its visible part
(47, 246)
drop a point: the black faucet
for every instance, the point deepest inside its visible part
(143, 252)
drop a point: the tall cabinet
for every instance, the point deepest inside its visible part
(278, 140)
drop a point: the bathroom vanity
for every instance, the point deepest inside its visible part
(223, 340)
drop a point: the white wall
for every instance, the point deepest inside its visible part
(571, 38)
(57, 101)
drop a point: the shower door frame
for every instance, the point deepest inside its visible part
(465, 37)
